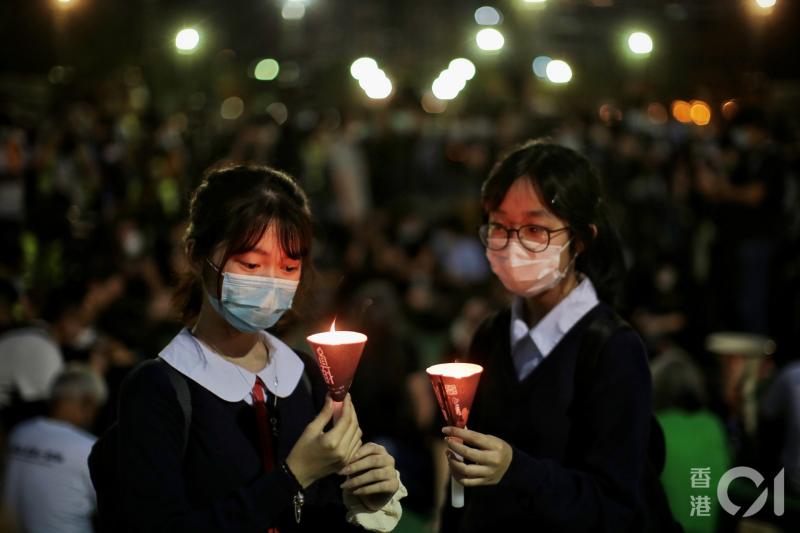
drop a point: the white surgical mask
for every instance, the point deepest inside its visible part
(252, 303)
(527, 273)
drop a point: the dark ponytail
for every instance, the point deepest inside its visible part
(571, 190)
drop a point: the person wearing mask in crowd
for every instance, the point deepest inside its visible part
(261, 453)
(47, 485)
(544, 447)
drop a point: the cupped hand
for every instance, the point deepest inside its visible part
(488, 456)
(318, 453)
(373, 476)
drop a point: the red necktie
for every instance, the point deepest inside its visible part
(264, 430)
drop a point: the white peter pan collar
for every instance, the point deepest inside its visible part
(230, 382)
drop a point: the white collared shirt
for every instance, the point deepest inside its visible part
(228, 381)
(549, 331)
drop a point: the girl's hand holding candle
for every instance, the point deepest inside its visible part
(454, 385)
(489, 456)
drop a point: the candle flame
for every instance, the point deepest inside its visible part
(333, 325)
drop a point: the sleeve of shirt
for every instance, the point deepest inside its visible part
(151, 456)
(384, 519)
(602, 492)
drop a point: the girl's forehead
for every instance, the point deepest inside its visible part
(522, 200)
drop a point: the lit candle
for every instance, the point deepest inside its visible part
(454, 385)
(338, 354)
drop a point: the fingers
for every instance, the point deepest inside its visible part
(383, 480)
(343, 440)
(370, 456)
(318, 424)
(469, 475)
(473, 455)
(344, 423)
(354, 444)
(473, 438)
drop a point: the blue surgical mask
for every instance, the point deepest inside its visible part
(253, 303)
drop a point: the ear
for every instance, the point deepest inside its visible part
(581, 246)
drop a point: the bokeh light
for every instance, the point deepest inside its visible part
(293, 10)
(640, 43)
(266, 70)
(447, 85)
(362, 67)
(558, 71)
(462, 67)
(700, 112)
(490, 39)
(431, 104)
(186, 40)
(729, 109)
(766, 4)
(487, 16)
(682, 111)
(278, 111)
(657, 113)
(539, 66)
(231, 108)
(376, 84)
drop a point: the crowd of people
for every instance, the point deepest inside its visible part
(94, 193)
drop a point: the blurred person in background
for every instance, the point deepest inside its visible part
(743, 184)
(31, 356)
(695, 438)
(544, 449)
(47, 485)
(779, 434)
(257, 455)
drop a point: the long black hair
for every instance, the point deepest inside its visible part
(569, 188)
(232, 208)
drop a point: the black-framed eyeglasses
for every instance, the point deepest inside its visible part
(532, 237)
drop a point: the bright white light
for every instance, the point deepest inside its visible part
(535, 1)
(558, 71)
(462, 67)
(490, 39)
(187, 39)
(363, 67)
(293, 10)
(640, 43)
(487, 16)
(376, 84)
(540, 66)
(266, 70)
(448, 85)
(766, 4)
